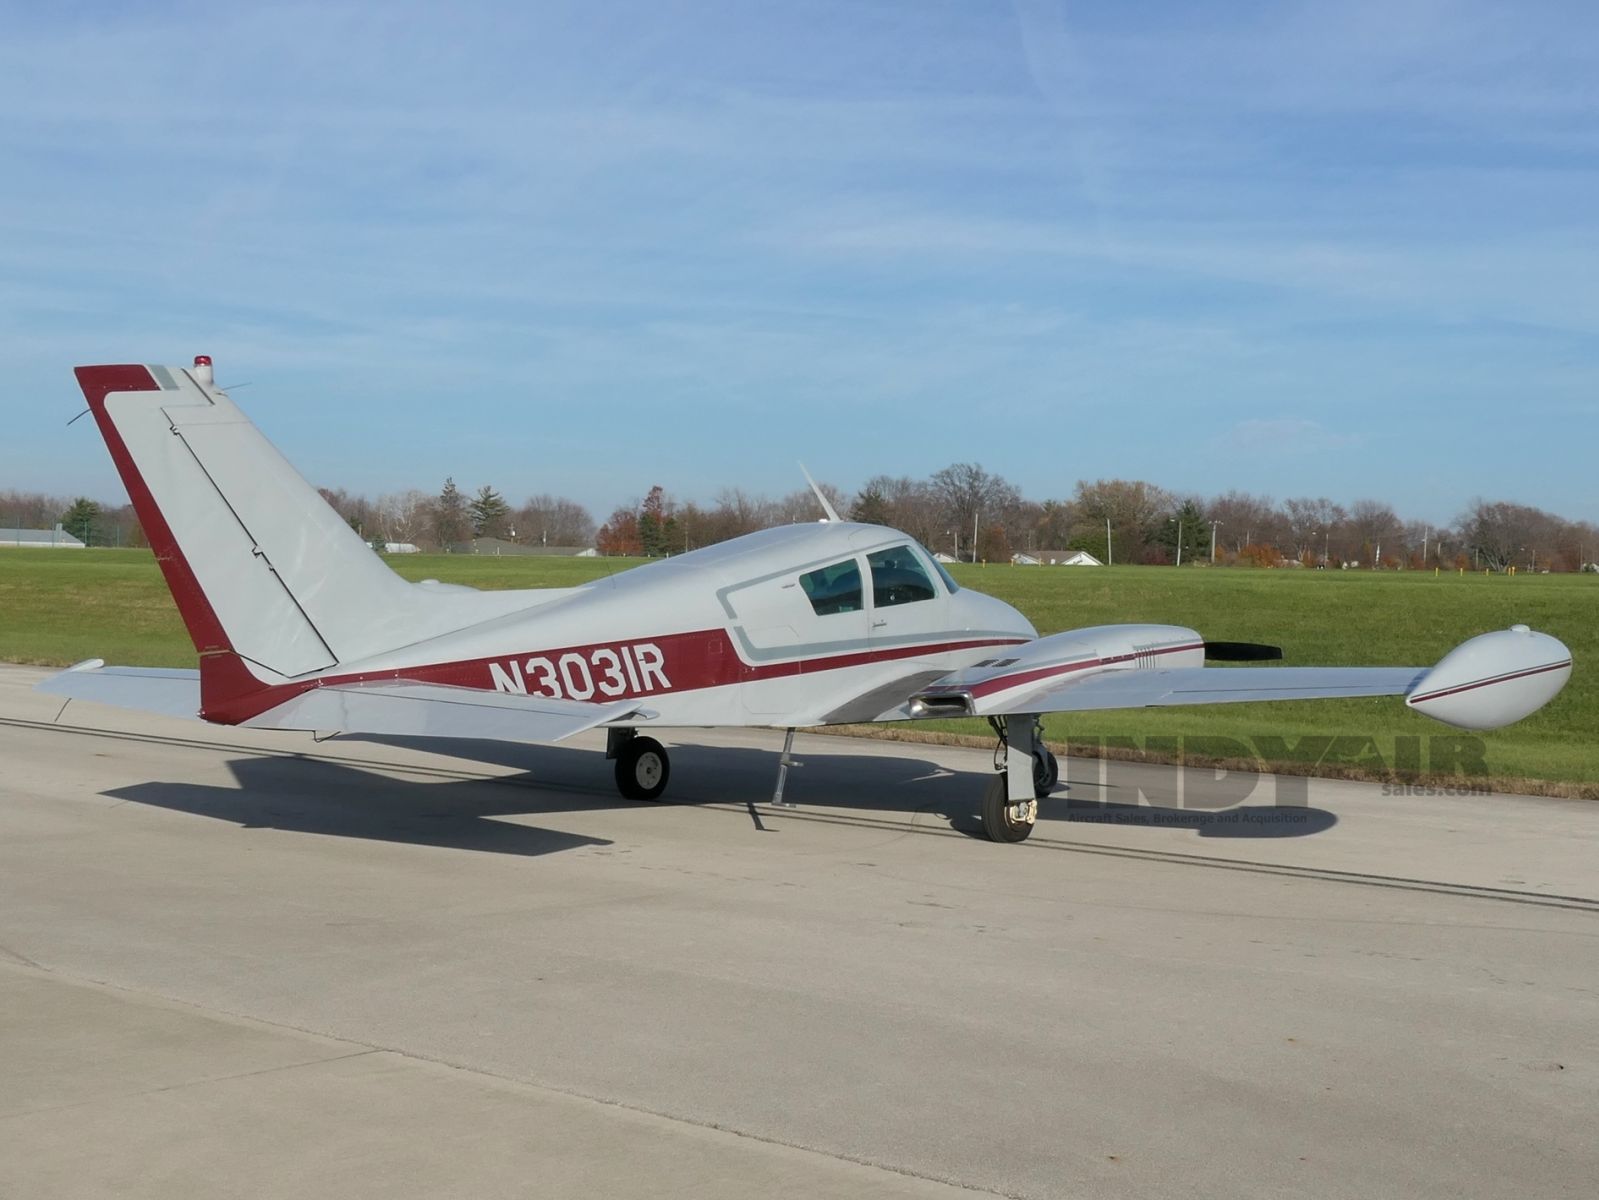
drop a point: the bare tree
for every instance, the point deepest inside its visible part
(1052, 525)
(1317, 528)
(1376, 530)
(547, 520)
(969, 495)
(1245, 520)
(406, 517)
(1502, 534)
(908, 505)
(1129, 508)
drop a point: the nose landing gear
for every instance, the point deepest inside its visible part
(1008, 812)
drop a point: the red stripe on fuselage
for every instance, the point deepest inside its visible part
(690, 662)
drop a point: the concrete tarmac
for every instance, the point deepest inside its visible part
(249, 964)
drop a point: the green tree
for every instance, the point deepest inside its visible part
(450, 525)
(657, 528)
(1189, 523)
(871, 506)
(489, 512)
(80, 518)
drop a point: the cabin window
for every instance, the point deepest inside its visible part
(898, 577)
(834, 589)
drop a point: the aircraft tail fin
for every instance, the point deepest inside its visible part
(271, 582)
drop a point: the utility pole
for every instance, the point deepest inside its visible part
(1213, 526)
(975, 513)
(1110, 560)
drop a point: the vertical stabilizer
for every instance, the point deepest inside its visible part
(261, 567)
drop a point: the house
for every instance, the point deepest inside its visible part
(1057, 558)
(1076, 558)
(47, 539)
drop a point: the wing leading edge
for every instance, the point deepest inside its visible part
(1489, 681)
(1163, 687)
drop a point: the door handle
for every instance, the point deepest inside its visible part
(879, 624)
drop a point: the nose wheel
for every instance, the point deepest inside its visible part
(642, 768)
(1008, 813)
(1004, 821)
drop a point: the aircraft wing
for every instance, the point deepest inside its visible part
(395, 707)
(1484, 683)
(1204, 685)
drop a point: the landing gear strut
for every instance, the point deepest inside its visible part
(1008, 811)
(642, 765)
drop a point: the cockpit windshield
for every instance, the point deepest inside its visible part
(949, 580)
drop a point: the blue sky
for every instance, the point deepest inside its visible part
(1339, 249)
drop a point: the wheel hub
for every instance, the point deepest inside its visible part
(649, 770)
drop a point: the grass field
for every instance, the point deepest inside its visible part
(58, 607)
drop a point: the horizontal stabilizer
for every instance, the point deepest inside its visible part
(404, 709)
(172, 693)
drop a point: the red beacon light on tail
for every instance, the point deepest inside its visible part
(202, 369)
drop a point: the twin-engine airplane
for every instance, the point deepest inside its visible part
(299, 625)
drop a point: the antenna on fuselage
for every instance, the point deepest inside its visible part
(821, 496)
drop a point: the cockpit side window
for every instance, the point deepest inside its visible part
(898, 577)
(834, 589)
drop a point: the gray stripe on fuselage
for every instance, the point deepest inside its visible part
(867, 643)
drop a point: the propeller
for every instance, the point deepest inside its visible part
(1241, 652)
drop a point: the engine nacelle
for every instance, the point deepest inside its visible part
(1059, 657)
(1494, 679)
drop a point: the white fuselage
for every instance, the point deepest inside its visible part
(771, 628)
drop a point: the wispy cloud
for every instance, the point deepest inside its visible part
(1293, 436)
(886, 230)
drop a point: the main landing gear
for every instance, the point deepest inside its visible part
(1010, 802)
(642, 765)
(1008, 812)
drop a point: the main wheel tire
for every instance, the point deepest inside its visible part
(1000, 820)
(1046, 772)
(642, 768)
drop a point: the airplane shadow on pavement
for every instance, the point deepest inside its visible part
(438, 806)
